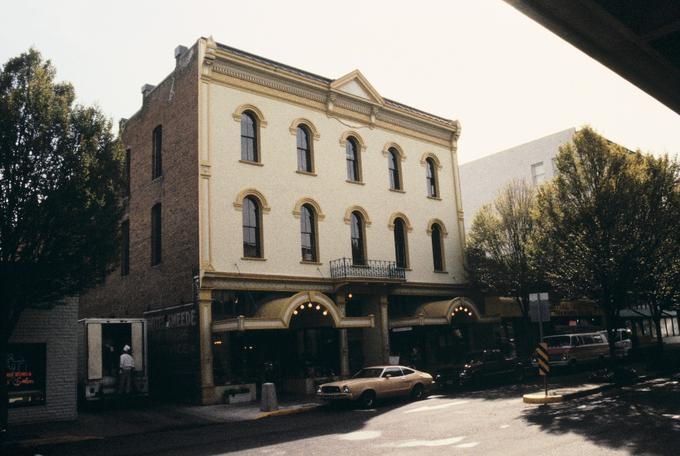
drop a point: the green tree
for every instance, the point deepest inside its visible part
(585, 236)
(497, 250)
(657, 216)
(60, 188)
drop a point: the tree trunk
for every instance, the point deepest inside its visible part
(655, 311)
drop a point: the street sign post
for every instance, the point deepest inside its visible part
(543, 362)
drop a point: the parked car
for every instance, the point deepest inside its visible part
(378, 382)
(574, 349)
(479, 367)
(623, 341)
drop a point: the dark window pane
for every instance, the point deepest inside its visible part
(393, 164)
(252, 247)
(128, 157)
(304, 152)
(157, 153)
(308, 233)
(248, 137)
(156, 234)
(351, 154)
(431, 178)
(437, 248)
(357, 227)
(125, 248)
(400, 243)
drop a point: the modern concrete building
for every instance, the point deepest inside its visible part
(286, 226)
(482, 179)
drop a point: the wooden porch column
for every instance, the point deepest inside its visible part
(344, 347)
(205, 336)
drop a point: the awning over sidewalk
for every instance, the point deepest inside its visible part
(644, 313)
(440, 313)
(276, 314)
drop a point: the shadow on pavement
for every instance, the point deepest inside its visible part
(642, 419)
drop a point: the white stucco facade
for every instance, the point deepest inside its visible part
(224, 176)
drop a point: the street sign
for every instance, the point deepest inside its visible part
(539, 307)
(542, 359)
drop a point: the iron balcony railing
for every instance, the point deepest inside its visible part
(370, 269)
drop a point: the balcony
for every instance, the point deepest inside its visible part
(344, 268)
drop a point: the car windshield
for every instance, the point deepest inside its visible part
(370, 372)
(557, 341)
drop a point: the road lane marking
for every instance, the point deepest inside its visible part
(467, 445)
(505, 426)
(430, 443)
(361, 435)
(427, 408)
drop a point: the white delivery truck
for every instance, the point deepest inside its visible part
(101, 342)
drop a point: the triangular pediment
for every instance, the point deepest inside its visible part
(356, 84)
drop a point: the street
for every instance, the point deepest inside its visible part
(643, 420)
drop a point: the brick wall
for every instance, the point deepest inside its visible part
(174, 105)
(57, 329)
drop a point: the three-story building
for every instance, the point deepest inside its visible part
(285, 226)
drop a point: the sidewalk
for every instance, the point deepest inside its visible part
(144, 418)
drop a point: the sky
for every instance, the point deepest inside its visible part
(504, 77)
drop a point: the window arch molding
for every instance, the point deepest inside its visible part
(238, 202)
(431, 222)
(302, 122)
(359, 209)
(392, 145)
(353, 134)
(261, 122)
(297, 209)
(435, 159)
(401, 215)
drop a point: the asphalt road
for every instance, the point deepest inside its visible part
(639, 420)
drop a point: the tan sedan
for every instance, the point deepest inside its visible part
(378, 382)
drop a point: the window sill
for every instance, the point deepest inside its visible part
(157, 178)
(311, 262)
(306, 173)
(436, 198)
(397, 190)
(440, 272)
(253, 259)
(248, 162)
(354, 182)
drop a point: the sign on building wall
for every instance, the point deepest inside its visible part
(26, 372)
(174, 357)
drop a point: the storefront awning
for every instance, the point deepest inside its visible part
(631, 314)
(276, 314)
(440, 313)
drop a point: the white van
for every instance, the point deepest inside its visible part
(572, 349)
(623, 340)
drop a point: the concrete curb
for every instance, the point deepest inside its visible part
(541, 398)
(288, 411)
(46, 441)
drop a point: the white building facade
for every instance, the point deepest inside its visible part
(320, 227)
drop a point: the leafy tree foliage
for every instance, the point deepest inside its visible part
(497, 249)
(60, 187)
(587, 233)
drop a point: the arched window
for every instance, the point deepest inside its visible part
(352, 156)
(437, 248)
(400, 247)
(249, 139)
(358, 239)
(432, 189)
(304, 150)
(308, 233)
(393, 161)
(252, 228)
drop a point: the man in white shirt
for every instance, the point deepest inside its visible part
(127, 365)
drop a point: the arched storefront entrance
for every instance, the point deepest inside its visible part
(295, 342)
(439, 333)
